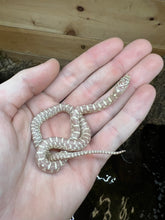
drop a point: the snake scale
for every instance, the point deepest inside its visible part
(67, 148)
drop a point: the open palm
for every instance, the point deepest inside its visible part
(25, 191)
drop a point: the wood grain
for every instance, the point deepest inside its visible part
(62, 28)
(42, 44)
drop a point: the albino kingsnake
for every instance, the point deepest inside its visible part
(80, 137)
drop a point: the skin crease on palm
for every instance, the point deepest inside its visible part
(26, 192)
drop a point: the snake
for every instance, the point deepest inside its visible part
(53, 153)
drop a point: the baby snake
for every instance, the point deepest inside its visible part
(80, 137)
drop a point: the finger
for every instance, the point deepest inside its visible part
(100, 81)
(144, 72)
(26, 84)
(128, 119)
(79, 69)
(115, 132)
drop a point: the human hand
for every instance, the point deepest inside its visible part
(26, 192)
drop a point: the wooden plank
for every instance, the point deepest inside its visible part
(35, 59)
(94, 19)
(43, 44)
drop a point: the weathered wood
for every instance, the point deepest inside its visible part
(62, 28)
(42, 44)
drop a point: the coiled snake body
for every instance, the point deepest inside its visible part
(80, 137)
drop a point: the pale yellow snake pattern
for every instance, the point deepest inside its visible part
(80, 137)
